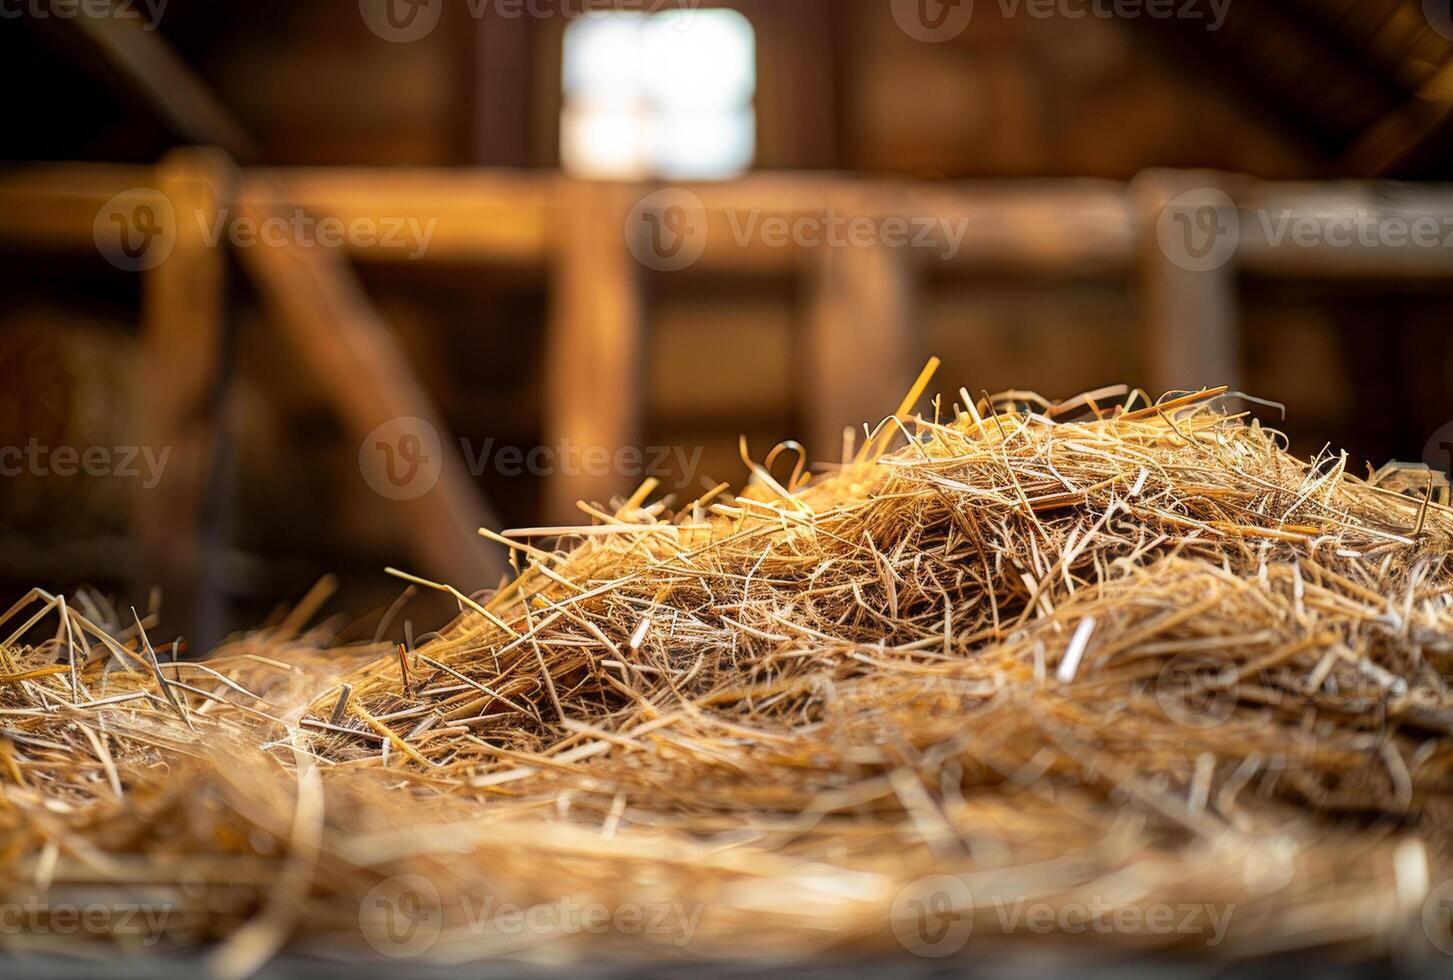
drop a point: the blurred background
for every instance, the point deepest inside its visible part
(291, 289)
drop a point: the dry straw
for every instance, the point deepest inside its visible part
(1092, 659)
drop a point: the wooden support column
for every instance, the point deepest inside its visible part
(594, 351)
(317, 301)
(183, 342)
(1190, 231)
(860, 346)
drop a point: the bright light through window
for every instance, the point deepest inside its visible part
(667, 94)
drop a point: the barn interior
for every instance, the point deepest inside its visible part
(297, 296)
(1038, 146)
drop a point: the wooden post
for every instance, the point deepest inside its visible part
(860, 346)
(183, 342)
(594, 351)
(1190, 231)
(346, 345)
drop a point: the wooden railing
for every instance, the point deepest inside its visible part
(588, 237)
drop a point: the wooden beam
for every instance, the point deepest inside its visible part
(1049, 228)
(861, 351)
(1395, 140)
(498, 217)
(507, 218)
(183, 346)
(594, 351)
(1190, 320)
(502, 216)
(1345, 229)
(168, 85)
(54, 205)
(344, 343)
(319, 303)
(1302, 69)
(1187, 279)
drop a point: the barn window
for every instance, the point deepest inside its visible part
(667, 94)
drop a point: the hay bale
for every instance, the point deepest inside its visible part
(1044, 670)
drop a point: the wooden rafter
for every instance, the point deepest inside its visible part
(320, 304)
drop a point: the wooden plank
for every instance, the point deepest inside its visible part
(1187, 281)
(1346, 229)
(861, 351)
(1190, 320)
(1050, 228)
(594, 350)
(54, 205)
(1077, 227)
(503, 217)
(506, 216)
(346, 345)
(466, 216)
(183, 345)
(751, 221)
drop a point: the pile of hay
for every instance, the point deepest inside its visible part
(1123, 674)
